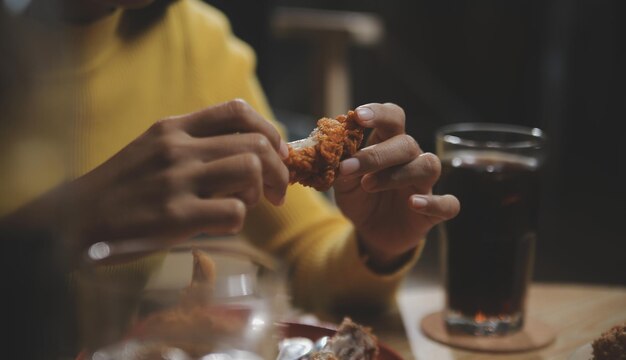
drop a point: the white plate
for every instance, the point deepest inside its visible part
(584, 352)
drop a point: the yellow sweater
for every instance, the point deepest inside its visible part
(93, 95)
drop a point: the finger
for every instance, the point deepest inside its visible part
(238, 175)
(250, 196)
(188, 215)
(398, 150)
(275, 173)
(440, 207)
(421, 173)
(387, 120)
(231, 117)
(212, 216)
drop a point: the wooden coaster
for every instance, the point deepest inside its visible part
(533, 335)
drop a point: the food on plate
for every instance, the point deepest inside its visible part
(194, 329)
(611, 344)
(352, 341)
(314, 161)
(200, 290)
(157, 352)
(195, 325)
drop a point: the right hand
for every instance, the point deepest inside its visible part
(189, 174)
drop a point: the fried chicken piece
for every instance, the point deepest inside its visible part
(314, 161)
(200, 290)
(323, 355)
(611, 344)
(351, 342)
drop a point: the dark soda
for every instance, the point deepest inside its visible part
(489, 246)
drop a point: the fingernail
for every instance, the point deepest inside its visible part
(283, 151)
(349, 166)
(365, 113)
(419, 202)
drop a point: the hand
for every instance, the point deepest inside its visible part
(385, 189)
(185, 175)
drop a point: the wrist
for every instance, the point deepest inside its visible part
(383, 262)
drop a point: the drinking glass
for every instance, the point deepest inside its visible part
(488, 249)
(146, 305)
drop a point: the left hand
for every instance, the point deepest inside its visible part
(385, 189)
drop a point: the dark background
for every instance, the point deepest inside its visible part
(556, 64)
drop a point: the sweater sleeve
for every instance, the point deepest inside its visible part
(326, 272)
(308, 231)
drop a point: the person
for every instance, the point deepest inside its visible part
(169, 135)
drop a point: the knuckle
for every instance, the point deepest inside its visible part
(235, 214)
(410, 145)
(172, 212)
(453, 205)
(431, 164)
(390, 104)
(169, 151)
(239, 108)
(393, 106)
(239, 104)
(251, 196)
(259, 142)
(395, 176)
(398, 112)
(251, 163)
(163, 126)
(374, 158)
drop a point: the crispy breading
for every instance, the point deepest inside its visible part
(332, 141)
(352, 341)
(611, 344)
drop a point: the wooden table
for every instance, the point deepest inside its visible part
(579, 313)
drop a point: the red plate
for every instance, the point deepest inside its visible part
(313, 332)
(292, 329)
